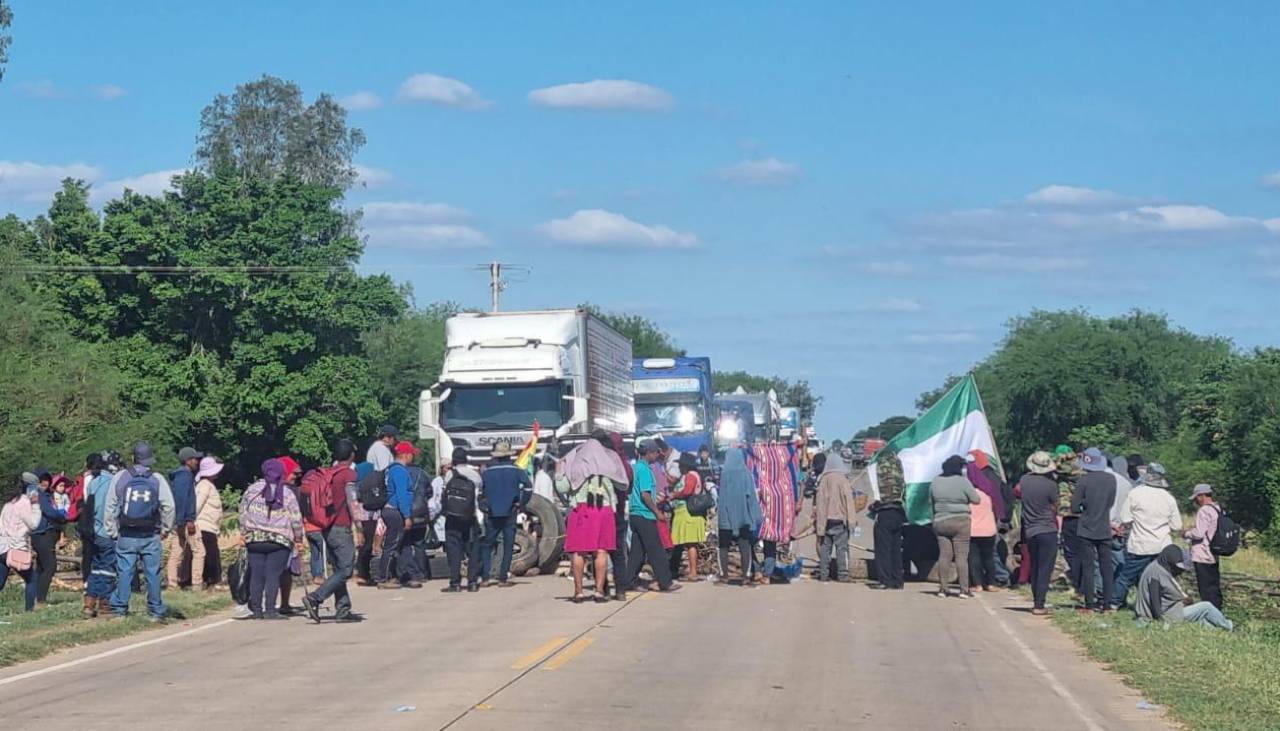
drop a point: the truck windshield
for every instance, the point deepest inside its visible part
(503, 407)
(677, 417)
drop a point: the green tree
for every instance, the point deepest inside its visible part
(887, 429)
(1252, 443)
(647, 339)
(235, 298)
(6, 18)
(405, 357)
(264, 130)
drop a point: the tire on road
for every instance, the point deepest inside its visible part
(551, 540)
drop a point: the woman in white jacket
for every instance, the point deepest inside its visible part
(18, 517)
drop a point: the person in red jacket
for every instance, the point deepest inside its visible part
(338, 540)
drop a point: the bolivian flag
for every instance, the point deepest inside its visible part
(526, 454)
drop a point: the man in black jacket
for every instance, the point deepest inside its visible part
(1094, 495)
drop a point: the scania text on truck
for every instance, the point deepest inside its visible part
(564, 369)
(674, 400)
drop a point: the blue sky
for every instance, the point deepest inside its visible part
(860, 196)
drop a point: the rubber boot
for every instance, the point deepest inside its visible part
(90, 609)
(104, 607)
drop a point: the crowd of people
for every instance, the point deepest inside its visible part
(636, 522)
(1112, 518)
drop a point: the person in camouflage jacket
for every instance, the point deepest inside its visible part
(891, 518)
(1068, 472)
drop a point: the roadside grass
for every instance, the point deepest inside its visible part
(1205, 678)
(26, 636)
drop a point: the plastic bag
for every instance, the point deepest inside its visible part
(238, 578)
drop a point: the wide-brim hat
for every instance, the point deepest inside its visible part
(1201, 489)
(209, 467)
(502, 449)
(1041, 463)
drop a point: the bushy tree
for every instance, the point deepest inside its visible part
(264, 130)
(790, 393)
(887, 429)
(647, 339)
(405, 357)
(236, 298)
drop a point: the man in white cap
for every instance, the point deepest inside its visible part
(1151, 517)
(1203, 558)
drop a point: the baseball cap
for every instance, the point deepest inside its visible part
(1093, 461)
(406, 448)
(389, 430)
(187, 453)
(143, 454)
(1201, 489)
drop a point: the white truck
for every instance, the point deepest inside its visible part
(565, 369)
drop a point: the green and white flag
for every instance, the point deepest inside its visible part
(956, 424)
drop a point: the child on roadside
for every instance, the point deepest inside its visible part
(61, 500)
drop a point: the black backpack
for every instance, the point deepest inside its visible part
(420, 488)
(459, 498)
(1226, 538)
(373, 491)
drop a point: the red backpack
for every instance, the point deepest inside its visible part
(316, 497)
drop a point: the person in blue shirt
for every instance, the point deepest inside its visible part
(397, 516)
(504, 486)
(182, 482)
(102, 572)
(646, 543)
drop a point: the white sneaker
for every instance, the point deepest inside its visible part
(241, 611)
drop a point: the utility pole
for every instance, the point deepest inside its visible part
(497, 283)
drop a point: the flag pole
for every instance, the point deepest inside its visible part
(1003, 474)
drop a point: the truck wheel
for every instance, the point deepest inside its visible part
(550, 527)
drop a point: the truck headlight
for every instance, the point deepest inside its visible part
(728, 430)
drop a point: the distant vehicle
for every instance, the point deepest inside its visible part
(736, 422)
(766, 412)
(863, 450)
(564, 369)
(674, 400)
(789, 423)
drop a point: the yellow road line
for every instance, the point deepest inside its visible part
(537, 655)
(573, 650)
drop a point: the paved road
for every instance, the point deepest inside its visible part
(807, 655)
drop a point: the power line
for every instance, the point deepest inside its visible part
(130, 269)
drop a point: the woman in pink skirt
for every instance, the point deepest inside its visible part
(589, 474)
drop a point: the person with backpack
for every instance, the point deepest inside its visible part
(1205, 561)
(327, 495)
(183, 542)
(270, 531)
(460, 507)
(504, 486)
(102, 572)
(415, 536)
(138, 513)
(397, 516)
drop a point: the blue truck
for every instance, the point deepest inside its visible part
(673, 398)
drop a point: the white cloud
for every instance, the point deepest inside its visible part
(47, 90)
(769, 171)
(413, 212)
(371, 177)
(440, 90)
(151, 184)
(1060, 216)
(893, 306)
(951, 337)
(44, 89)
(603, 94)
(1005, 263)
(1271, 180)
(427, 237)
(30, 182)
(889, 268)
(1070, 195)
(108, 92)
(420, 226)
(361, 101)
(604, 229)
